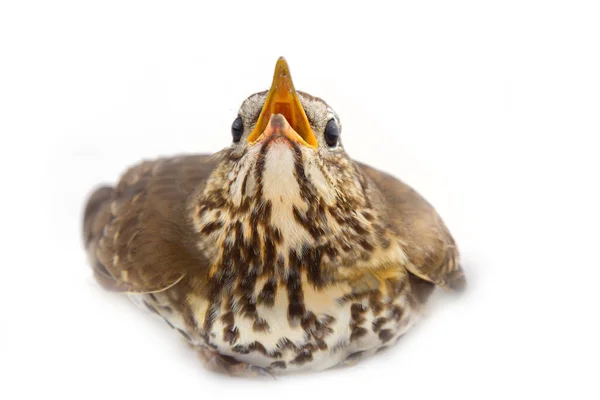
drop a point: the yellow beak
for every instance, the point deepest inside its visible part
(282, 112)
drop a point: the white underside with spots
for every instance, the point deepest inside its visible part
(339, 345)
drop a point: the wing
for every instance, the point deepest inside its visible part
(430, 248)
(138, 236)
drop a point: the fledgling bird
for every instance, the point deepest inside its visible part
(279, 253)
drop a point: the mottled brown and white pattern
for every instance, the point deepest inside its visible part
(276, 254)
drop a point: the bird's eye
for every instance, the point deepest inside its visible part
(332, 133)
(237, 129)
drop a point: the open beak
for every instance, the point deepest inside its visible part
(282, 113)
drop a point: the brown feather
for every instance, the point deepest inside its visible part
(138, 235)
(430, 248)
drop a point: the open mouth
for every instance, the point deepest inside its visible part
(283, 101)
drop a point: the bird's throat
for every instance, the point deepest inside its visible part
(279, 175)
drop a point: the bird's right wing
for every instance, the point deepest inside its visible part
(138, 235)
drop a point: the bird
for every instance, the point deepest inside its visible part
(279, 253)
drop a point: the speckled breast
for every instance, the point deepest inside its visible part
(300, 274)
(337, 324)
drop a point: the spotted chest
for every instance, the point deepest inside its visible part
(302, 276)
(340, 324)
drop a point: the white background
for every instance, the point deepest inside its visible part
(489, 109)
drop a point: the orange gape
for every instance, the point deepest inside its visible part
(283, 99)
(278, 125)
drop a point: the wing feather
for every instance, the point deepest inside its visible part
(138, 235)
(429, 246)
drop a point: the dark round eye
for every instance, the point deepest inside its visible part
(332, 133)
(237, 129)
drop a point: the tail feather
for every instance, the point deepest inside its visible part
(96, 214)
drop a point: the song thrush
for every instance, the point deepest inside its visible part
(278, 253)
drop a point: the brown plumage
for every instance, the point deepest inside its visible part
(279, 253)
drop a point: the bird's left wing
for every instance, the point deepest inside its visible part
(431, 251)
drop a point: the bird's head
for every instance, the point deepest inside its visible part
(290, 141)
(286, 180)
